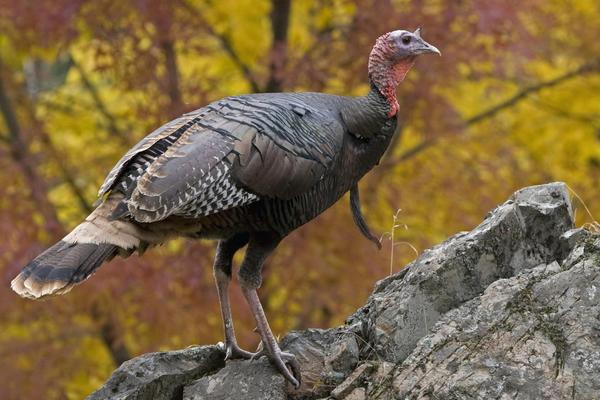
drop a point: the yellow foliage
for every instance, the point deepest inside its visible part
(322, 272)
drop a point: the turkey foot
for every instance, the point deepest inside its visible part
(234, 352)
(285, 362)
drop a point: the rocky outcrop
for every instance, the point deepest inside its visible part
(160, 376)
(532, 336)
(509, 310)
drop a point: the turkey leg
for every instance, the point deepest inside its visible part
(249, 275)
(222, 272)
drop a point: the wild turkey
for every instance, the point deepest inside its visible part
(244, 170)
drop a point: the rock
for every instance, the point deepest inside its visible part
(569, 240)
(355, 379)
(343, 355)
(509, 310)
(160, 376)
(533, 336)
(326, 358)
(520, 234)
(357, 394)
(239, 380)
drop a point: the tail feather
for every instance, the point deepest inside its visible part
(81, 252)
(59, 268)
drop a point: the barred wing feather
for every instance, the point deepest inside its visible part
(227, 154)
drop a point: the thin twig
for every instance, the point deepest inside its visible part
(587, 210)
(591, 66)
(392, 236)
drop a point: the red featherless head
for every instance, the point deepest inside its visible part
(392, 57)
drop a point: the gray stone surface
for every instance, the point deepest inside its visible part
(509, 310)
(519, 234)
(533, 336)
(239, 380)
(326, 358)
(159, 376)
(355, 380)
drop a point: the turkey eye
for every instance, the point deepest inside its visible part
(406, 39)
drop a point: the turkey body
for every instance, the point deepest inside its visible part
(260, 164)
(254, 163)
(246, 170)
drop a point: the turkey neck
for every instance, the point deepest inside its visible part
(370, 131)
(366, 116)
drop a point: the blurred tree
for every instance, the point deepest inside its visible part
(511, 103)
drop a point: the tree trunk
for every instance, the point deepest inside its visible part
(280, 18)
(20, 154)
(176, 105)
(108, 329)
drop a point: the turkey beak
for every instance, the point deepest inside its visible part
(424, 48)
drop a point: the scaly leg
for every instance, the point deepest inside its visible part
(260, 246)
(222, 272)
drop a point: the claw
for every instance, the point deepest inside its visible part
(287, 364)
(295, 367)
(233, 352)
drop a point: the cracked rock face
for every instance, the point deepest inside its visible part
(519, 234)
(509, 310)
(533, 336)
